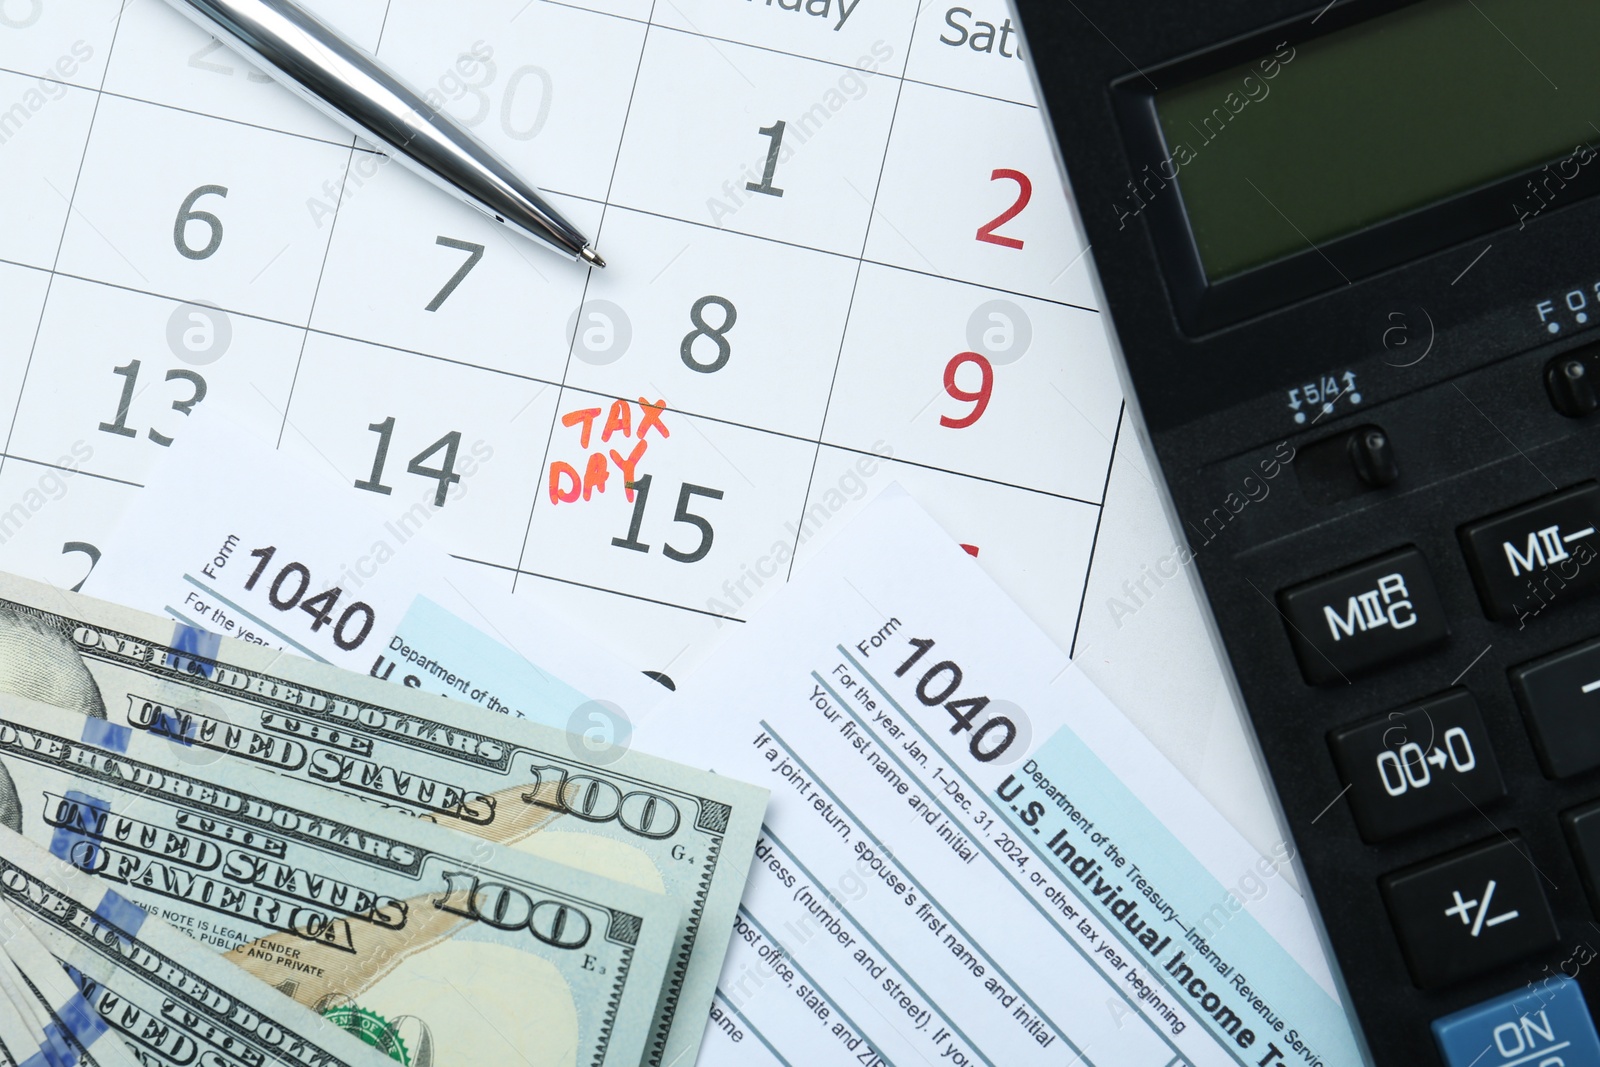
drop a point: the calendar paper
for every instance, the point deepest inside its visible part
(840, 257)
(970, 856)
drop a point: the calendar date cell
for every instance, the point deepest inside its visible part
(59, 42)
(456, 447)
(835, 122)
(43, 134)
(165, 58)
(83, 385)
(54, 518)
(1036, 547)
(946, 388)
(152, 176)
(705, 498)
(970, 190)
(726, 326)
(544, 85)
(22, 300)
(412, 268)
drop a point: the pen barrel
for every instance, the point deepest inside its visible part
(356, 90)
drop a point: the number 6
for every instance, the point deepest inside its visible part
(188, 214)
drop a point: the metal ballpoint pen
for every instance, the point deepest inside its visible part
(354, 89)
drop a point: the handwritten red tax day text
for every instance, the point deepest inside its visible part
(568, 486)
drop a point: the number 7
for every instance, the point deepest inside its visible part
(460, 275)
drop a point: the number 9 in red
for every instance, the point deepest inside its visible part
(979, 399)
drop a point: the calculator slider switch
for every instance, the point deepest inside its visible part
(1373, 457)
(1536, 556)
(1417, 765)
(1469, 912)
(1347, 465)
(1364, 617)
(1573, 382)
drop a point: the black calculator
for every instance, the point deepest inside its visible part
(1350, 254)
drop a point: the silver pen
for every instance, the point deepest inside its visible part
(357, 91)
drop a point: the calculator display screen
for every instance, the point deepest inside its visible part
(1322, 139)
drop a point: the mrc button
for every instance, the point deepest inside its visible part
(1363, 617)
(1560, 698)
(1416, 765)
(1536, 556)
(1470, 912)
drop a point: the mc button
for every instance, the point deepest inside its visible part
(1364, 617)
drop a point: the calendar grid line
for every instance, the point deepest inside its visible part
(61, 241)
(256, 316)
(840, 255)
(1094, 544)
(327, 252)
(819, 439)
(555, 411)
(825, 443)
(305, 339)
(71, 470)
(855, 287)
(523, 572)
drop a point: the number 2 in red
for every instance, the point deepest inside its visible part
(1024, 194)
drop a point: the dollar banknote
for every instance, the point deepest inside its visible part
(74, 1033)
(170, 1000)
(454, 950)
(617, 812)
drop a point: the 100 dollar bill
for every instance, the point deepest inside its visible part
(173, 1003)
(656, 824)
(483, 954)
(73, 1032)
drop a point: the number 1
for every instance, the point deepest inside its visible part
(775, 131)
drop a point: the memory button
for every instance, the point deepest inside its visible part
(1364, 617)
(1538, 555)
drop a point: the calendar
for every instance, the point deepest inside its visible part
(841, 257)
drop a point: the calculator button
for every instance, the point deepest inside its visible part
(1363, 617)
(1560, 698)
(1536, 556)
(1529, 1027)
(1417, 765)
(1469, 912)
(1583, 831)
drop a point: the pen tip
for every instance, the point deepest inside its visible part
(590, 256)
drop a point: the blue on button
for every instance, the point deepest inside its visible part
(1549, 1024)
